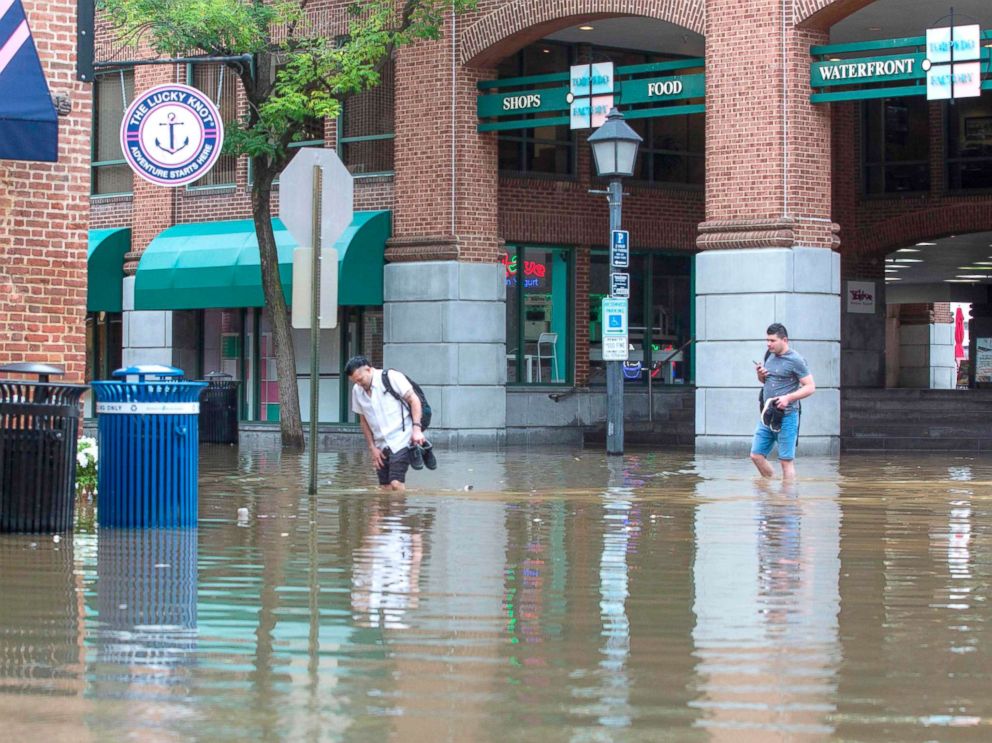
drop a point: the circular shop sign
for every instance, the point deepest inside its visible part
(171, 135)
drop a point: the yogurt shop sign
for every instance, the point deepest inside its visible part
(171, 135)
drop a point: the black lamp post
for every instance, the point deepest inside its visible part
(614, 148)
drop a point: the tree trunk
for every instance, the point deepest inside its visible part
(290, 422)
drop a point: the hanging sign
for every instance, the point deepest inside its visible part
(590, 94)
(861, 297)
(952, 64)
(171, 135)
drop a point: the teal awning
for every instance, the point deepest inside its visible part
(215, 264)
(105, 268)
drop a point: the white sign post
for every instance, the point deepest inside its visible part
(316, 203)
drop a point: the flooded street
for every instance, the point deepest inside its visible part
(525, 595)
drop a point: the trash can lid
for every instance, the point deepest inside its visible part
(26, 367)
(218, 375)
(149, 370)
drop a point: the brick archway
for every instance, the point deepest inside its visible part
(824, 13)
(513, 25)
(928, 224)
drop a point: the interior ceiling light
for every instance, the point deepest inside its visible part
(892, 278)
(932, 244)
(983, 263)
(975, 268)
(585, 28)
(961, 281)
(907, 250)
(546, 51)
(970, 276)
(909, 260)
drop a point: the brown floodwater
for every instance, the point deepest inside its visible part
(525, 595)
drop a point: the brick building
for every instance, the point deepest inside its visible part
(759, 199)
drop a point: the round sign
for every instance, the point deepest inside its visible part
(171, 135)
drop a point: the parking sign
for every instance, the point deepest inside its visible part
(619, 248)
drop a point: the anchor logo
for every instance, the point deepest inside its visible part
(172, 124)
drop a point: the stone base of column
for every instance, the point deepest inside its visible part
(445, 326)
(157, 336)
(739, 293)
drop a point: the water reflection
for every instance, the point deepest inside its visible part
(569, 597)
(766, 575)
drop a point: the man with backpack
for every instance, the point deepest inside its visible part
(392, 417)
(786, 380)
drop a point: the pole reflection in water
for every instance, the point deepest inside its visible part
(145, 631)
(767, 600)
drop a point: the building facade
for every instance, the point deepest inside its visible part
(757, 198)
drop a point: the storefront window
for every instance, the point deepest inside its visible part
(543, 149)
(367, 128)
(112, 94)
(220, 85)
(896, 134)
(538, 308)
(969, 143)
(659, 317)
(673, 150)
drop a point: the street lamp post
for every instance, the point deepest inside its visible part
(614, 148)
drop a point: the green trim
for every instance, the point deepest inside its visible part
(867, 46)
(862, 95)
(683, 64)
(105, 268)
(509, 82)
(367, 138)
(647, 113)
(216, 264)
(504, 126)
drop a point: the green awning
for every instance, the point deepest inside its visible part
(105, 268)
(209, 265)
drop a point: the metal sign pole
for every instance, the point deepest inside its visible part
(614, 370)
(315, 245)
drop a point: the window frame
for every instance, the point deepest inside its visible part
(121, 72)
(568, 374)
(341, 140)
(194, 187)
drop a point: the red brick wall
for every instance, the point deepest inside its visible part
(43, 217)
(767, 146)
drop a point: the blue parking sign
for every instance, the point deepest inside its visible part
(619, 248)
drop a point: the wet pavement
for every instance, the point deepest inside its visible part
(526, 595)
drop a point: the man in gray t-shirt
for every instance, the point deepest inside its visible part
(787, 380)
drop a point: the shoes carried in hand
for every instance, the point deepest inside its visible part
(421, 455)
(416, 457)
(427, 451)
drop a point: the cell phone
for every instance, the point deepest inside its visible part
(756, 363)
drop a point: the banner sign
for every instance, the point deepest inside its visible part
(946, 63)
(581, 97)
(614, 314)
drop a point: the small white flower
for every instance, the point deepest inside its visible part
(81, 459)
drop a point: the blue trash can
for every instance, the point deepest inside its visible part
(149, 450)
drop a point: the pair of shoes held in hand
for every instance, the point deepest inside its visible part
(423, 455)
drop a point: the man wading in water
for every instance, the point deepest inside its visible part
(787, 380)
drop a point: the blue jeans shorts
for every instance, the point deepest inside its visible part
(765, 438)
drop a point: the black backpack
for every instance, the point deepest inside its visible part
(425, 407)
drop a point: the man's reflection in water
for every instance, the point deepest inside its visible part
(767, 568)
(386, 572)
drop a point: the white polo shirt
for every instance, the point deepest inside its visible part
(389, 419)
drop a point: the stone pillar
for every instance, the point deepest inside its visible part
(445, 297)
(768, 239)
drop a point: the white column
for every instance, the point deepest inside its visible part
(739, 293)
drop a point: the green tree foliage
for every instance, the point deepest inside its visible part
(298, 72)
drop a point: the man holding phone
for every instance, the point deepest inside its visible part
(787, 380)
